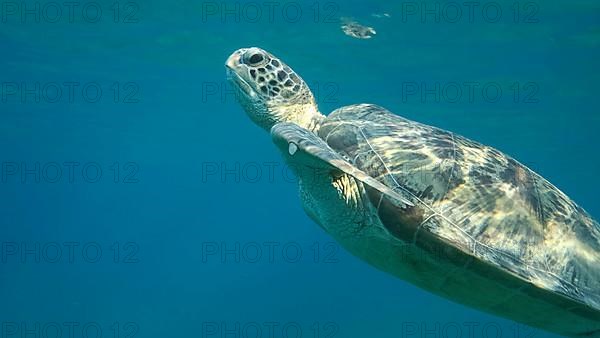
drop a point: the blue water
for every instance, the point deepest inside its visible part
(163, 242)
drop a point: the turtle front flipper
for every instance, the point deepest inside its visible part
(312, 159)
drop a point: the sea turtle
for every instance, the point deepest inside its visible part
(450, 215)
(352, 28)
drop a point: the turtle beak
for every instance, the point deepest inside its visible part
(233, 61)
(234, 68)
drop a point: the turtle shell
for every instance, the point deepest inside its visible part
(473, 198)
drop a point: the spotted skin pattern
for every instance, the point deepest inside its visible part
(481, 201)
(273, 78)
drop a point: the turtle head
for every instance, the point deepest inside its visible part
(269, 91)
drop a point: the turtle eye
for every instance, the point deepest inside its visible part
(255, 59)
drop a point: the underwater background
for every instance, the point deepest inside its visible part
(138, 200)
